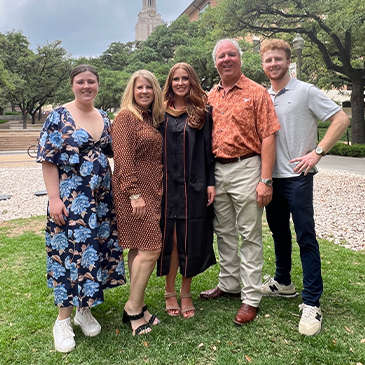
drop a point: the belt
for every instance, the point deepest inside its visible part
(234, 159)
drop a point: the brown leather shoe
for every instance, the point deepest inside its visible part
(217, 293)
(245, 314)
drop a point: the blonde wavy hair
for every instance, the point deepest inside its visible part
(156, 107)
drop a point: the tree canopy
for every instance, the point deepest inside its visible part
(35, 76)
(333, 30)
(333, 55)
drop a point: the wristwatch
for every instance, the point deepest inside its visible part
(267, 182)
(320, 151)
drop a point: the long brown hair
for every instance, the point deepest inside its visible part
(196, 99)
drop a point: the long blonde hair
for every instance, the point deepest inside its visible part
(129, 103)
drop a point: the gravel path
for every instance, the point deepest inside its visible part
(338, 202)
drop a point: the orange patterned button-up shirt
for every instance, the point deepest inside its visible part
(242, 118)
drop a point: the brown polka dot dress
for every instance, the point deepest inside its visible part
(137, 147)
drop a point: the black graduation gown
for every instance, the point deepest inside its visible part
(188, 171)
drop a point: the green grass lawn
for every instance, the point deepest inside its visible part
(27, 315)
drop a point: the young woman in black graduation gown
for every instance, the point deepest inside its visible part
(187, 210)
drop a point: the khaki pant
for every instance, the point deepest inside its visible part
(237, 213)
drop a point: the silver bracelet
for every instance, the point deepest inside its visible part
(134, 196)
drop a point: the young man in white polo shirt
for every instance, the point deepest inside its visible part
(299, 106)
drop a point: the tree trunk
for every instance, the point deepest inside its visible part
(33, 118)
(39, 114)
(1, 111)
(24, 116)
(357, 111)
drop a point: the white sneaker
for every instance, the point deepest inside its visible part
(271, 288)
(63, 335)
(89, 325)
(311, 321)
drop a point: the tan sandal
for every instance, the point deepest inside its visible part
(171, 308)
(187, 309)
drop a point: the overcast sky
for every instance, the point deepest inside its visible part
(85, 27)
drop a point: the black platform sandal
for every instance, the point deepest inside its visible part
(152, 318)
(128, 318)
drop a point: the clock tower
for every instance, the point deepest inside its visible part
(148, 20)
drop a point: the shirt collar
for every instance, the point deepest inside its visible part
(239, 83)
(289, 86)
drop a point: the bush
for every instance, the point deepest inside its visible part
(346, 136)
(13, 113)
(323, 124)
(3, 121)
(110, 115)
(343, 149)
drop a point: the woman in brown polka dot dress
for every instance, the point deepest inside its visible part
(137, 184)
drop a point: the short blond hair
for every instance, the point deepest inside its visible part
(276, 44)
(128, 101)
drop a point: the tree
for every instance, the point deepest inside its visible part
(35, 75)
(112, 85)
(180, 41)
(165, 38)
(5, 81)
(63, 93)
(334, 27)
(197, 51)
(117, 55)
(3, 76)
(199, 55)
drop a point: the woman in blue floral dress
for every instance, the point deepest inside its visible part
(84, 256)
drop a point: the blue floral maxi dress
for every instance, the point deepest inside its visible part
(83, 255)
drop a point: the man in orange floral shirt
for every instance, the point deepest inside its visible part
(244, 138)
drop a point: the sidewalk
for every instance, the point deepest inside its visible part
(16, 159)
(355, 165)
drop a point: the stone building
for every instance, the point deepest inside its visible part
(148, 20)
(197, 7)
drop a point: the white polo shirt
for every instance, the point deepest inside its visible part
(299, 107)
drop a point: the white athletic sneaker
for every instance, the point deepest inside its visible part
(311, 321)
(63, 335)
(89, 325)
(271, 288)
